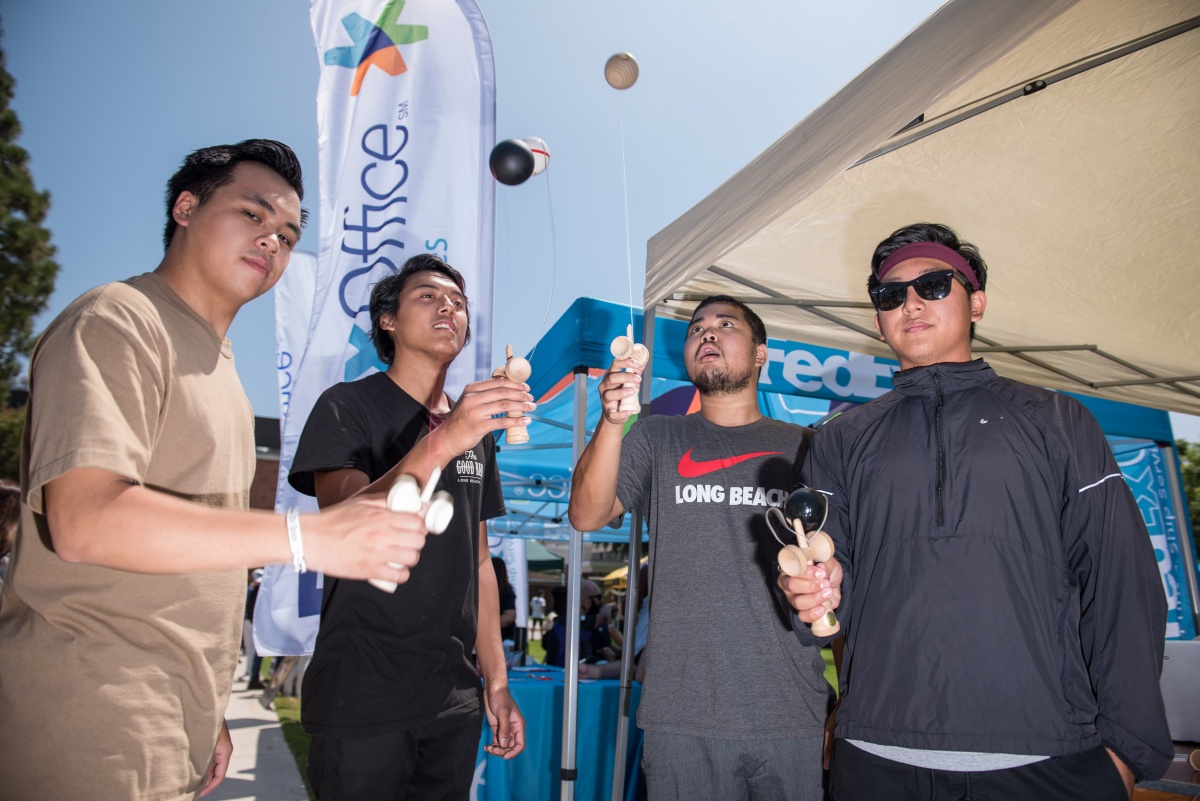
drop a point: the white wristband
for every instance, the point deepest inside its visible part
(295, 541)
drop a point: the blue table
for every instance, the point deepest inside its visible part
(533, 775)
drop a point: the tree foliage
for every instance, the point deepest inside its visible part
(27, 266)
(12, 421)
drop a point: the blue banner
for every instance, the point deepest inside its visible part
(1145, 471)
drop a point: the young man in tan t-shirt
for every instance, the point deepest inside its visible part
(121, 614)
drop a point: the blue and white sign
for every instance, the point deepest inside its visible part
(406, 120)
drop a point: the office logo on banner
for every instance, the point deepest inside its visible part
(367, 226)
(375, 44)
(405, 122)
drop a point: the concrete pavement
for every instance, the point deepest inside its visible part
(262, 767)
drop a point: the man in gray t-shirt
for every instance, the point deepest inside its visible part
(733, 705)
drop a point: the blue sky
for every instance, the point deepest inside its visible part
(112, 96)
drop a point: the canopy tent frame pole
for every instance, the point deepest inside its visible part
(635, 561)
(632, 607)
(1131, 381)
(987, 345)
(1185, 539)
(922, 128)
(568, 771)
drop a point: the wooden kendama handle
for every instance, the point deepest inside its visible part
(793, 559)
(518, 369)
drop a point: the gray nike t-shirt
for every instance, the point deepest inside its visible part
(722, 660)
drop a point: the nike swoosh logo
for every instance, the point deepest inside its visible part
(688, 468)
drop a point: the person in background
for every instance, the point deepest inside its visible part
(508, 600)
(593, 633)
(537, 614)
(253, 677)
(612, 670)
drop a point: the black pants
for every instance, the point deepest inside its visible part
(856, 775)
(431, 762)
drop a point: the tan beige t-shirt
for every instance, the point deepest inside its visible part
(113, 684)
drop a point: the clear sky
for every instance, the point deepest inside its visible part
(111, 96)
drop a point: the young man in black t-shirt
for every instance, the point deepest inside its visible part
(392, 697)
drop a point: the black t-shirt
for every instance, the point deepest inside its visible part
(382, 661)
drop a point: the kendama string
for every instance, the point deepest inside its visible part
(625, 197)
(553, 265)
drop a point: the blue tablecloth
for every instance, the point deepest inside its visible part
(534, 774)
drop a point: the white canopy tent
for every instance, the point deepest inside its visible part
(1061, 137)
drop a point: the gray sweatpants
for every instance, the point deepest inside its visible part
(679, 767)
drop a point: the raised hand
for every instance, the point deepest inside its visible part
(475, 413)
(623, 380)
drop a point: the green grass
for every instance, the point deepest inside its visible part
(536, 650)
(830, 670)
(288, 710)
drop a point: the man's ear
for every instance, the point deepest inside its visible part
(184, 205)
(978, 304)
(388, 322)
(760, 354)
(879, 328)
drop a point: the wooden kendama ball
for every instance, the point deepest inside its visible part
(621, 70)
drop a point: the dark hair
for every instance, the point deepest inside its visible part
(758, 331)
(558, 600)
(385, 298)
(501, 571)
(929, 232)
(208, 169)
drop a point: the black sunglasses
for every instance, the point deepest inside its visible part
(930, 286)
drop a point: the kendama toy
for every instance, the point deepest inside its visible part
(804, 512)
(516, 369)
(437, 508)
(623, 347)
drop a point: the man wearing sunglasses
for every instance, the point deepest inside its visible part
(1002, 608)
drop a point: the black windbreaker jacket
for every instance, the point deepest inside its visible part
(1001, 591)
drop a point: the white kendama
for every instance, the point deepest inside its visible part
(541, 153)
(515, 369)
(437, 508)
(623, 347)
